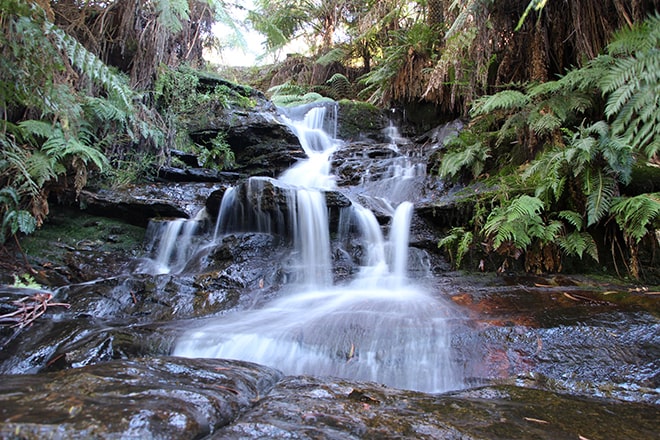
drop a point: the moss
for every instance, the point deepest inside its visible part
(66, 230)
(356, 117)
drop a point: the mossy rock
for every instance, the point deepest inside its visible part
(358, 119)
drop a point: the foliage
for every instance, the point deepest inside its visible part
(218, 154)
(292, 95)
(14, 220)
(464, 151)
(632, 84)
(64, 112)
(576, 160)
(457, 243)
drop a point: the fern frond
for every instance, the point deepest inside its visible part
(171, 13)
(471, 156)
(288, 88)
(504, 100)
(518, 223)
(636, 214)
(33, 128)
(633, 85)
(335, 55)
(573, 218)
(600, 190)
(42, 168)
(545, 124)
(340, 86)
(578, 243)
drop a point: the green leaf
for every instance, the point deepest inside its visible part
(600, 191)
(635, 215)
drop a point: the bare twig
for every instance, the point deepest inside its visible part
(29, 309)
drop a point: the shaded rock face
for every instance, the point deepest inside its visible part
(155, 398)
(139, 203)
(261, 143)
(265, 204)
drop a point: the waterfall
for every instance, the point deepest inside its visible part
(378, 327)
(169, 243)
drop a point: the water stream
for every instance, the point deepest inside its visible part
(380, 326)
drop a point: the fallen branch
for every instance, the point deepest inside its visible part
(29, 309)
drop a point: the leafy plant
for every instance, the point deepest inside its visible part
(218, 155)
(457, 243)
(14, 219)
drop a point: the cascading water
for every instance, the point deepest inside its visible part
(378, 327)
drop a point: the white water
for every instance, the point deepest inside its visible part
(379, 327)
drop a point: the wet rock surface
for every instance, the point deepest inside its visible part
(313, 408)
(157, 398)
(138, 203)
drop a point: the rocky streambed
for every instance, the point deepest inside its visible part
(554, 357)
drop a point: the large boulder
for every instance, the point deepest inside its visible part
(262, 144)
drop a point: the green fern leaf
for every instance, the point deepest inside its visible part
(578, 243)
(573, 218)
(33, 128)
(41, 167)
(171, 13)
(504, 100)
(335, 55)
(636, 214)
(600, 190)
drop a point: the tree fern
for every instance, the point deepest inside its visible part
(633, 85)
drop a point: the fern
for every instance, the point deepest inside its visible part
(505, 100)
(171, 13)
(633, 85)
(467, 152)
(518, 224)
(600, 190)
(578, 243)
(340, 86)
(457, 243)
(573, 218)
(335, 55)
(635, 215)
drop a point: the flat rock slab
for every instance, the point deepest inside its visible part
(157, 398)
(312, 408)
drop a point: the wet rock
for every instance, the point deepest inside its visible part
(173, 174)
(261, 143)
(264, 205)
(144, 398)
(313, 408)
(137, 204)
(357, 161)
(559, 335)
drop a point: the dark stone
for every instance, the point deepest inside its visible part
(172, 174)
(313, 408)
(138, 203)
(189, 159)
(166, 397)
(261, 143)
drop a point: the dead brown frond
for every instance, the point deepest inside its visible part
(29, 309)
